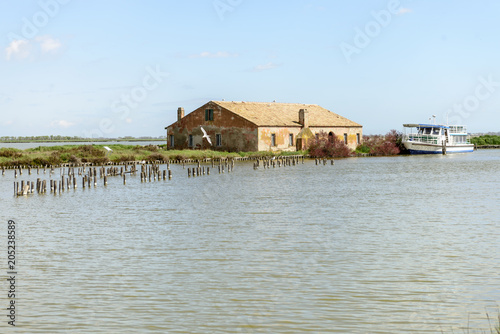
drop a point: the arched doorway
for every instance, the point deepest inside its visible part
(330, 137)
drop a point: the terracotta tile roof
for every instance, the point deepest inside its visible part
(285, 114)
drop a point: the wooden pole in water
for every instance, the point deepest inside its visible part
(169, 174)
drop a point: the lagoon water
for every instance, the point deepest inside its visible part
(369, 245)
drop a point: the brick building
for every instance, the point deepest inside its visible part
(258, 126)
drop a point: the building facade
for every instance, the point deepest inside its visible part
(258, 126)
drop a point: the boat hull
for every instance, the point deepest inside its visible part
(423, 148)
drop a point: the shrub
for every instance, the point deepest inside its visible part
(54, 159)
(328, 146)
(96, 160)
(390, 144)
(124, 158)
(155, 157)
(180, 157)
(87, 151)
(486, 140)
(40, 162)
(10, 153)
(151, 148)
(363, 148)
(75, 160)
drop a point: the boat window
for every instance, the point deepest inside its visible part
(436, 131)
(427, 131)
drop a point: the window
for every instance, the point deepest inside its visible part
(345, 138)
(209, 114)
(218, 140)
(290, 139)
(273, 140)
(358, 139)
(171, 140)
(190, 143)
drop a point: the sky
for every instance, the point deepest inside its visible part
(122, 68)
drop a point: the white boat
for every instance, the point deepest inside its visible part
(436, 139)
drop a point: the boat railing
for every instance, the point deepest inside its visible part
(427, 139)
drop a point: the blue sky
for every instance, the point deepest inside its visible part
(122, 68)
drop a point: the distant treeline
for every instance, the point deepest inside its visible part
(13, 139)
(486, 140)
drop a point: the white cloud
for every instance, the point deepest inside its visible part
(23, 48)
(219, 54)
(48, 44)
(19, 48)
(265, 67)
(403, 11)
(61, 124)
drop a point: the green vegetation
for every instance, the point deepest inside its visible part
(55, 155)
(486, 140)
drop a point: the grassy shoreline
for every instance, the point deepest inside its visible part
(97, 154)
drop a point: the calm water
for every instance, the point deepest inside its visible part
(370, 245)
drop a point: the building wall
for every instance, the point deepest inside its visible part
(237, 134)
(282, 138)
(352, 132)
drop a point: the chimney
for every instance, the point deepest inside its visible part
(180, 113)
(304, 118)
